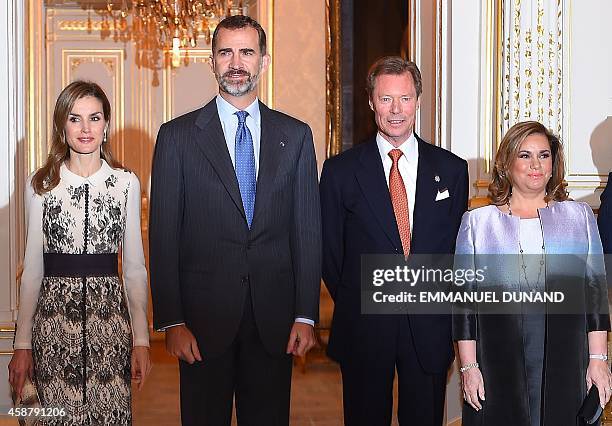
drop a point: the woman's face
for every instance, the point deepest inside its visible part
(85, 126)
(532, 167)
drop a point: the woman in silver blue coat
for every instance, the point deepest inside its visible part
(533, 365)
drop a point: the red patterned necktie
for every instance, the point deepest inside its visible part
(399, 199)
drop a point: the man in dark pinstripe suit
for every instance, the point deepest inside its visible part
(235, 242)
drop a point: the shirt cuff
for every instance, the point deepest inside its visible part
(305, 321)
(170, 326)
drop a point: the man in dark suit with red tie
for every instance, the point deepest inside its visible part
(235, 242)
(393, 194)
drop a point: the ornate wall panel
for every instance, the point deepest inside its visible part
(181, 95)
(105, 67)
(143, 92)
(76, 50)
(532, 63)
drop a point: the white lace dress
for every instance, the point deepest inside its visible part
(77, 316)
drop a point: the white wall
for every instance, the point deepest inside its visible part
(11, 146)
(587, 93)
(465, 94)
(587, 87)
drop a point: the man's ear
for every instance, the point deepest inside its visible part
(211, 63)
(265, 62)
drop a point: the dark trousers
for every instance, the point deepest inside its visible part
(261, 383)
(367, 382)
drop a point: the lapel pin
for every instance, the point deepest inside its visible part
(282, 144)
(437, 178)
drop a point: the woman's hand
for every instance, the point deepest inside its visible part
(598, 374)
(472, 385)
(141, 365)
(20, 367)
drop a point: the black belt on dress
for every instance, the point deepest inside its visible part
(80, 265)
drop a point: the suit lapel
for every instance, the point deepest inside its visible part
(425, 190)
(211, 142)
(270, 152)
(371, 178)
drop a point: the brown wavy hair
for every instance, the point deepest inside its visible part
(48, 176)
(500, 188)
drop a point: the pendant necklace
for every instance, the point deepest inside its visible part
(522, 255)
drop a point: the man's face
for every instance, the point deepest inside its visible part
(394, 102)
(237, 61)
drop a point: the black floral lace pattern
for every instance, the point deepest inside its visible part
(108, 222)
(73, 346)
(57, 225)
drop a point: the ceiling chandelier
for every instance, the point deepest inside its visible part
(171, 25)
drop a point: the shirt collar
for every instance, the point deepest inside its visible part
(95, 179)
(409, 147)
(226, 109)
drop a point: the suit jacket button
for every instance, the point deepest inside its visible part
(244, 280)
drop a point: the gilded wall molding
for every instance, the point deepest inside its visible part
(263, 11)
(333, 49)
(35, 108)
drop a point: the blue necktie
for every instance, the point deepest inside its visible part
(245, 166)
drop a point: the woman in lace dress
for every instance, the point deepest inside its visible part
(82, 332)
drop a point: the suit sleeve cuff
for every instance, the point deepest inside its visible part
(305, 321)
(170, 326)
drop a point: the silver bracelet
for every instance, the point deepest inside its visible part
(466, 367)
(602, 357)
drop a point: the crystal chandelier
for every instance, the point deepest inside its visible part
(170, 24)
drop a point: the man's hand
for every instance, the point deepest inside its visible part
(301, 339)
(181, 343)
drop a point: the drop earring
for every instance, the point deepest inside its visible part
(104, 140)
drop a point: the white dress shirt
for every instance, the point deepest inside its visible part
(407, 165)
(229, 123)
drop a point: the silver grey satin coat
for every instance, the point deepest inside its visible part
(569, 228)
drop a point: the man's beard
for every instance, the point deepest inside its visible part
(238, 89)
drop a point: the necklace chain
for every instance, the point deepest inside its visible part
(510, 208)
(523, 264)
